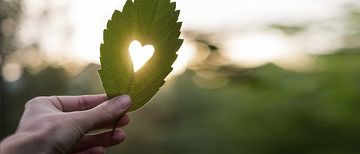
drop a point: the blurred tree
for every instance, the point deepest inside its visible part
(9, 19)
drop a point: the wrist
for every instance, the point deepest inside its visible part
(23, 143)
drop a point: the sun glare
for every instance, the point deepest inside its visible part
(12, 72)
(140, 54)
(256, 49)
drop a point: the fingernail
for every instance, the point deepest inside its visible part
(124, 101)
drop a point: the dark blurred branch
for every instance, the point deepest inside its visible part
(289, 29)
(9, 19)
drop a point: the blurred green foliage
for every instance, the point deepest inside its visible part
(269, 110)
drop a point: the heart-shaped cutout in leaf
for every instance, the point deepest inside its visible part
(140, 54)
(152, 22)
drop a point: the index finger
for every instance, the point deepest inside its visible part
(78, 103)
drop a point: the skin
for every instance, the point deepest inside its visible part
(61, 125)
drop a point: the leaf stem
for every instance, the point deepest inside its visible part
(114, 127)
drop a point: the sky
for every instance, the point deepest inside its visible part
(74, 28)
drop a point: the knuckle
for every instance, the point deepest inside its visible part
(107, 114)
(82, 104)
(34, 101)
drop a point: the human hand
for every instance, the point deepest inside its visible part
(59, 124)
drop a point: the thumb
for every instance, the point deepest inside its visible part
(108, 111)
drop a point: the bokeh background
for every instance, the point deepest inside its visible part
(253, 76)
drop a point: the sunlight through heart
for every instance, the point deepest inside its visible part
(139, 54)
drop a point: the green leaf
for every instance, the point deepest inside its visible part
(152, 22)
